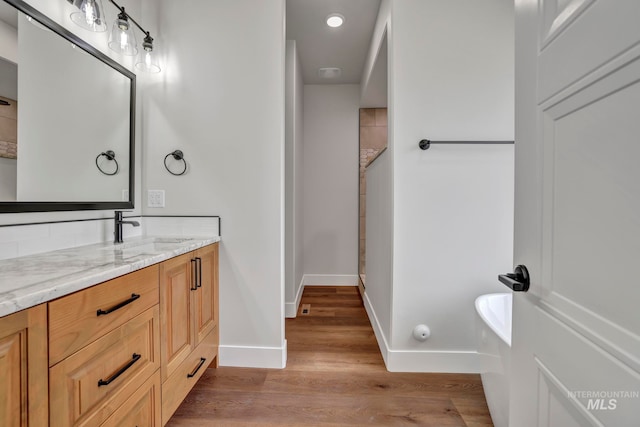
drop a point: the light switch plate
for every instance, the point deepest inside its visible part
(125, 195)
(155, 198)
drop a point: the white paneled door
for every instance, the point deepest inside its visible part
(576, 332)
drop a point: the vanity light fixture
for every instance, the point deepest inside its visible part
(122, 39)
(148, 61)
(335, 20)
(90, 15)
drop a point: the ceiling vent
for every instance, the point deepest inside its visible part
(329, 73)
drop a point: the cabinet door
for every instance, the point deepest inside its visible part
(176, 288)
(23, 368)
(205, 312)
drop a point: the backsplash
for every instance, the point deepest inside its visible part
(181, 226)
(31, 239)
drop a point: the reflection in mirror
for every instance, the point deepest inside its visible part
(68, 103)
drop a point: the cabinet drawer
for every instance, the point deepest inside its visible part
(88, 386)
(142, 409)
(178, 385)
(81, 318)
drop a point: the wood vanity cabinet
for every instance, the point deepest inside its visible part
(189, 323)
(104, 346)
(121, 353)
(23, 368)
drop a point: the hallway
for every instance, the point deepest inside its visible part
(335, 375)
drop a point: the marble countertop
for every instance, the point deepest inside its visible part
(31, 280)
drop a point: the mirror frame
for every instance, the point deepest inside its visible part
(16, 207)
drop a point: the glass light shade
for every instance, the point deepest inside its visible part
(122, 38)
(148, 62)
(90, 15)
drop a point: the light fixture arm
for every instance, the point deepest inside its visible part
(121, 9)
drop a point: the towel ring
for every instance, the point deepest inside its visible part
(110, 155)
(177, 155)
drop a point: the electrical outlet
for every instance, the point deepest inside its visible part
(155, 198)
(125, 195)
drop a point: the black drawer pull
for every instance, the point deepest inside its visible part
(194, 276)
(121, 371)
(119, 305)
(195, 371)
(199, 263)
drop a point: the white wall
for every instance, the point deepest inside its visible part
(453, 205)
(379, 247)
(294, 180)
(331, 114)
(8, 79)
(7, 179)
(379, 34)
(8, 41)
(220, 99)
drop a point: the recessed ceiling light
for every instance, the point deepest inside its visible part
(329, 72)
(335, 20)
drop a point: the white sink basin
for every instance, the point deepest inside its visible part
(148, 242)
(149, 245)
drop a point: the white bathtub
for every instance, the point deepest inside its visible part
(494, 350)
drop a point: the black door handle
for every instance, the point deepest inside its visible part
(194, 276)
(518, 281)
(199, 264)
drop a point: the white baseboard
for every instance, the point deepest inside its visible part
(377, 329)
(330, 280)
(291, 308)
(253, 357)
(460, 362)
(420, 360)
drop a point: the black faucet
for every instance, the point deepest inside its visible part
(117, 226)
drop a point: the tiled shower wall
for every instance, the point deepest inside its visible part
(8, 129)
(373, 139)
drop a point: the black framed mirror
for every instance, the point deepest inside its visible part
(75, 120)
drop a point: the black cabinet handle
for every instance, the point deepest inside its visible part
(199, 263)
(121, 371)
(518, 281)
(119, 305)
(195, 371)
(194, 276)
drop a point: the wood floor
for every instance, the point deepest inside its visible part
(335, 376)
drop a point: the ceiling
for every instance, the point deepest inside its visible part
(320, 46)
